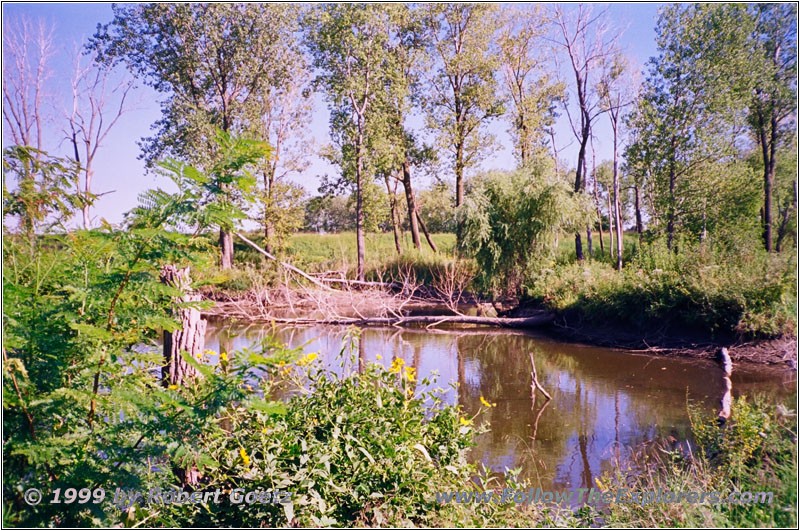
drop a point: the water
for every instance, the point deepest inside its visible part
(605, 402)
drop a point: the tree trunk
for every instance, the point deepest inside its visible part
(768, 153)
(617, 220)
(225, 249)
(269, 227)
(597, 201)
(393, 213)
(427, 234)
(189, 338)
(359, 201)
(639, 227)
(412, 206)
(786, 212)
(611, 225)
(671, 211)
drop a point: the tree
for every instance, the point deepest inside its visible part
(281, 116)
(348, 44)
(587, 40)
(462, 93)
(221, 194)
(509, 220)
(616, 93)
(773, 68)
(92, 116)
(688, 118)
(528, 87)
(28, 48)
(212, 63)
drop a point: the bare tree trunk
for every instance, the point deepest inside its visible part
(393, 213)
(597, 201)
(225, 249)
(189, 338)
(611, 224)
(617, 220)
(671, 211)
(359, 201)
(427, 234)
(412, 206)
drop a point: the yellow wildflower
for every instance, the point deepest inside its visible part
(209, 352)
(378, 357)
(264, 430)
(485, 403)
(199, 355)
(465, 422)
(244, 456)
(248, 387)
(173, 387)
(600, 484)
(397, 364)
(411, 373)
(223, 356)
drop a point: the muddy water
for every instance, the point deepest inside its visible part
(604, 402)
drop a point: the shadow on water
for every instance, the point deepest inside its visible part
(603, 401)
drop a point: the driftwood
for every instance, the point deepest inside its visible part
(391, 285)
(285, 265)
(726, 400)
(432, 320)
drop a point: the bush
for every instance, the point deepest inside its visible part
(718, 294)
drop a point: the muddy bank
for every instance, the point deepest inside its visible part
(377, 307)
(669, 343)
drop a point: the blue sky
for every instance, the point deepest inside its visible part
(117, 164)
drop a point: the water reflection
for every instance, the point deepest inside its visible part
(603, 401)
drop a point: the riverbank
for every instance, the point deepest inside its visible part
(380, 307)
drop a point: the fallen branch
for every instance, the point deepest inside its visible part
(535, 382)
(395, 285)
(290, 267)
(507, 322)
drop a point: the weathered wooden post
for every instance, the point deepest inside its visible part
(190, 337)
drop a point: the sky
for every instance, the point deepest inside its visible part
(121, 176)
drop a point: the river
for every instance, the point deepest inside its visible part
(604, 402)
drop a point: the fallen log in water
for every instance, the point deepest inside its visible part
(431, 320)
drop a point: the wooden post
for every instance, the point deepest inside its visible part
(190, 337)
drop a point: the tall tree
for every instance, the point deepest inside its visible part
(774, 96)
(348, 44)
(98, 102)
(586, 40)
(529, 88)
(209, 61)
(687, 119)
(616, 94)
(462, 90)
(28, 48)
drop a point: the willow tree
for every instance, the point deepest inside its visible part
(210, 62)
(462, 93)
(348, 45)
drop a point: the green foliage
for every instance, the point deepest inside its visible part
(510, 221)
(756, 451)
(45, 188)
(717, 292)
